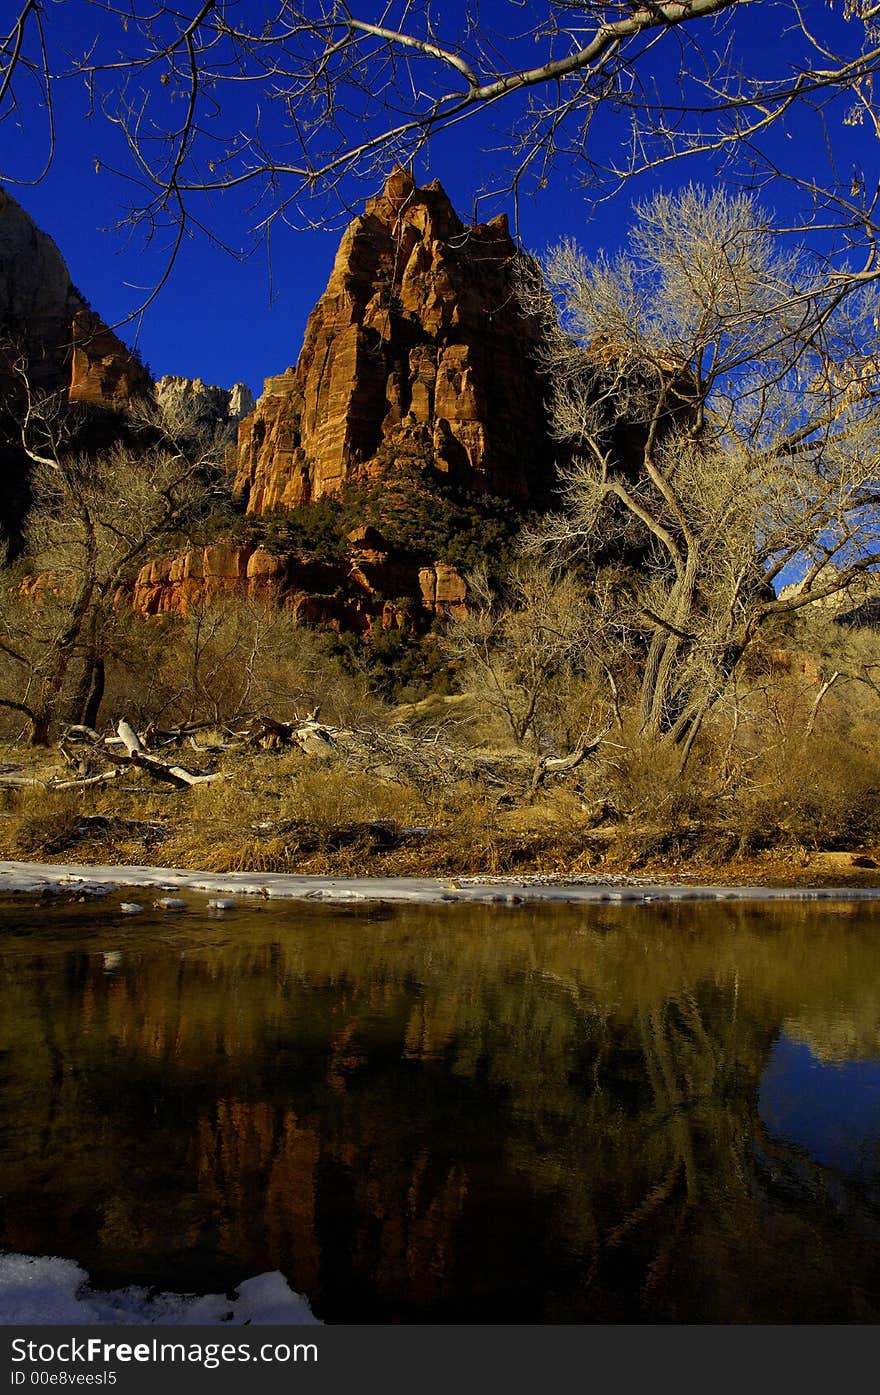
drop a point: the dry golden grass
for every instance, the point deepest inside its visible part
(748, 808)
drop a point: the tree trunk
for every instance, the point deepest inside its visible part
(40, 725)
(86, 701)
(95, 695)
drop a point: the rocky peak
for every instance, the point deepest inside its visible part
(213, 407)
(418, 348)
(241, 402)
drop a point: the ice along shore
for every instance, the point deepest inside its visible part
(45, 877)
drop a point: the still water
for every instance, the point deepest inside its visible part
(591, 1114)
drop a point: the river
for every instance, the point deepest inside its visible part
(595, 1113)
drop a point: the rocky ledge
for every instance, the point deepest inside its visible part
(374, 584)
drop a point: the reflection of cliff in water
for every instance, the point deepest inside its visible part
(440, 1114)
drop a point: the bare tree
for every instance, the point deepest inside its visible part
(226, 661)
(523, 653)
(284, 101)
(94, 521)
(723, 401)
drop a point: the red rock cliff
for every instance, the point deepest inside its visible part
(416, 344)
(372, 584)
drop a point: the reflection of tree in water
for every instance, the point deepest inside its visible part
(838, 1037)
(491, 1119)
(704, 1213)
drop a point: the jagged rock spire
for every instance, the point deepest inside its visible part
(416, 348)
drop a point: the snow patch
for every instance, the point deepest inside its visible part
(44, 1289)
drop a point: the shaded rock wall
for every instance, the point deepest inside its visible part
(48, 322)
(48, 329)
(37, 300)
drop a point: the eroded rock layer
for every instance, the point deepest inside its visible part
(373, 584)
(418, 346)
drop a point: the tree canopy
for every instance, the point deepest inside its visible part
(721, 394)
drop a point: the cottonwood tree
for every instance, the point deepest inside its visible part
(284, 100)
(723, 404)
(95, 519)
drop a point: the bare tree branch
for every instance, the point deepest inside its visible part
(310, 96)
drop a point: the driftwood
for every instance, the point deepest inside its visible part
(104, 777)
(137, 754)
(105, 748)
(307, 733)
(428, 760)
(562, 765)
(424, 759)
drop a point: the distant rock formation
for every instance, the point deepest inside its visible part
(855, 607)
(415, 357)
(416, 347)
(213, 407)
(47, 323)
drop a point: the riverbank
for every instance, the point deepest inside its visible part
(83, 880)
(281, 813)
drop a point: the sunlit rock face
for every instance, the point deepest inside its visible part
(102, 371)
(417, 347)
(372, 585)
(48, 328)
(209, 406)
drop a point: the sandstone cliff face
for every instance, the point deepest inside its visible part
(102, 371)
(44, 318)
(372, 585)
(416, 346)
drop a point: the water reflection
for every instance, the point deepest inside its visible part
(590, 1114)
(830, 1108)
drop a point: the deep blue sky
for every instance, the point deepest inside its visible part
(224, 320)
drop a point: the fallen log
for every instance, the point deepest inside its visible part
(159, 769)
(82, 781)
(561, 765)
(136, 754)
(129, 737)
(19, 782)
